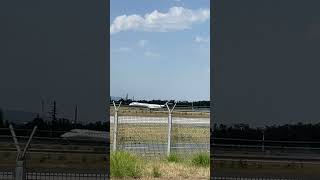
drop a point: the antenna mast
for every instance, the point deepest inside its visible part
(76, 114)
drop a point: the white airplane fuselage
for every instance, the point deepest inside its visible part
(151, 106)
(84, 134)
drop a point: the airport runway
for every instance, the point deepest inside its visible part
(161, 120)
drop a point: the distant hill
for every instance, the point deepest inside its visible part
(18, 117)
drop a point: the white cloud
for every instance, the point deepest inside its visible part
(123, 49)
(177, 18)
(143, 43)
(200, 39)
(151, 54)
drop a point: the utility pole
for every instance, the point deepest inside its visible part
(53, 116)
(75, 116)
(54, 111)
(42, 108)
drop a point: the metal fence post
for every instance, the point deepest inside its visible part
(169, 133)
(20, 173)
(169, 128)
(115, 125)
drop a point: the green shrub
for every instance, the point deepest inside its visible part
(201, 159)
(173, 157)
(156, 171)
(124, 164)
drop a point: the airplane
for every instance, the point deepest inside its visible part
(150, 106)
(85, 135)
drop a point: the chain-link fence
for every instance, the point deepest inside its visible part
(46, 175)
(52, 157)
(157, 133)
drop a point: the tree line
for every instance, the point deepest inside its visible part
(50, 128)
(286, 132)
(179, 103)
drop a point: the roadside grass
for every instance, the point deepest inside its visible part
(173, 157)
(172, 167)
(201, 159)
(150, 133)
(124, 164)
(156, 171)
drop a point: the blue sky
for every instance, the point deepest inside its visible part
(160, 49)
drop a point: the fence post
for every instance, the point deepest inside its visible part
(20, 173)
(115, 125)
(169, 128)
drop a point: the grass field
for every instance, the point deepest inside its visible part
(176, 168)
(64, 161)
(172, 170)
(276, 169)
(128, 166)
(157, 133)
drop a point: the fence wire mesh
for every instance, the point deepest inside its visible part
(145, 131)
(31, 175)
(6, 174)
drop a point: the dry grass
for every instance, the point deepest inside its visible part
(174, 171)
(272, 168)
(158, 133)
(56, 160)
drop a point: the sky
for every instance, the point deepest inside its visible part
(160, 49)
(267, 62)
